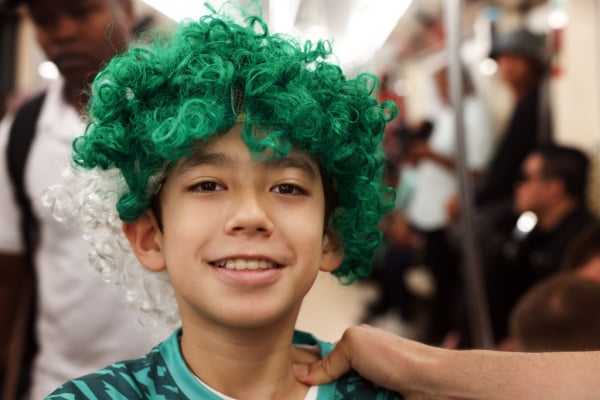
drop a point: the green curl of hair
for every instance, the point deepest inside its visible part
(150, 105)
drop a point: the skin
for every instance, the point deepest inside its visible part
(531, 192)
(590, 270)
(520, 73)
(79, 36)
(223, 204)
(425, 372)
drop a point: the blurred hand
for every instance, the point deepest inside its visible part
(453, 208)
(417, 151)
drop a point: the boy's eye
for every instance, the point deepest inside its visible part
(206, 186)
(287, 188)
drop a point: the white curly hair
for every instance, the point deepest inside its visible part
(89, 198)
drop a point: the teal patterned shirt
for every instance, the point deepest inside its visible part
(163, 375)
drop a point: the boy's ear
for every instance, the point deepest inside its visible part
(333, 252)
(145, 239)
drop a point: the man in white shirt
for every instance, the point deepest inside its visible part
(81, 324)
(436, 183)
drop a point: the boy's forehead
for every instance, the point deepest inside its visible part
(228, 148)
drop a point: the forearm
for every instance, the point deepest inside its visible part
(443, 161)
(478, 374)
(420, 371)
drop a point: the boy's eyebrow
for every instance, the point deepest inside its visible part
(221, 159)
(294, 161)
(200, 158)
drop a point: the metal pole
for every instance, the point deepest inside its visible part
(476, 298)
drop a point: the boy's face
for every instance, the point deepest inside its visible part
(242, 239)
(79, 35)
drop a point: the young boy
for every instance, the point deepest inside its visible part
(241, 163)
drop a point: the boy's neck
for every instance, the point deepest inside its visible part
(244, 364)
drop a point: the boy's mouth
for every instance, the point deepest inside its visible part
(240, 264)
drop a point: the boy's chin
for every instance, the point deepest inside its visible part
(253, 319)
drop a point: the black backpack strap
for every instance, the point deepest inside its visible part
(21, 136)
(19, 142)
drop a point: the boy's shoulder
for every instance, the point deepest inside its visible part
(147, 377)
(162, 374)
(354, 387)
(349, 386)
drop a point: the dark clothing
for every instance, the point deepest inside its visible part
(520, 138)
(393, 286)
(522, 261)
(389, 269)
(511, 265)
(443, 261)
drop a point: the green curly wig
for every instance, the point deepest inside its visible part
(151, 105)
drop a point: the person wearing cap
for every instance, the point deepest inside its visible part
(81, 324)
(522, 65)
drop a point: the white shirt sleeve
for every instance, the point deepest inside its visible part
(478, 133)
(10, 234)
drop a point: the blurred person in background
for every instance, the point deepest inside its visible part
(79, 322)
(552, 186)
(558, 314)
(583, 254)
(390, 141)
(434, 162)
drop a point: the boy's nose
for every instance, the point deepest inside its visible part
(249, 215)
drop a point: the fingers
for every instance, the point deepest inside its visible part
(323, 371)
(301, 355)
(336, 364)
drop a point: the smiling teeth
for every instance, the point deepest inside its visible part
(241, 264)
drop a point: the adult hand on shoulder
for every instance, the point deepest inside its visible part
(379, 356)
(422, 372)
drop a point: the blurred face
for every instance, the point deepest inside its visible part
(242, 239)
(517, 71)
(80, 35)
(533, 189)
